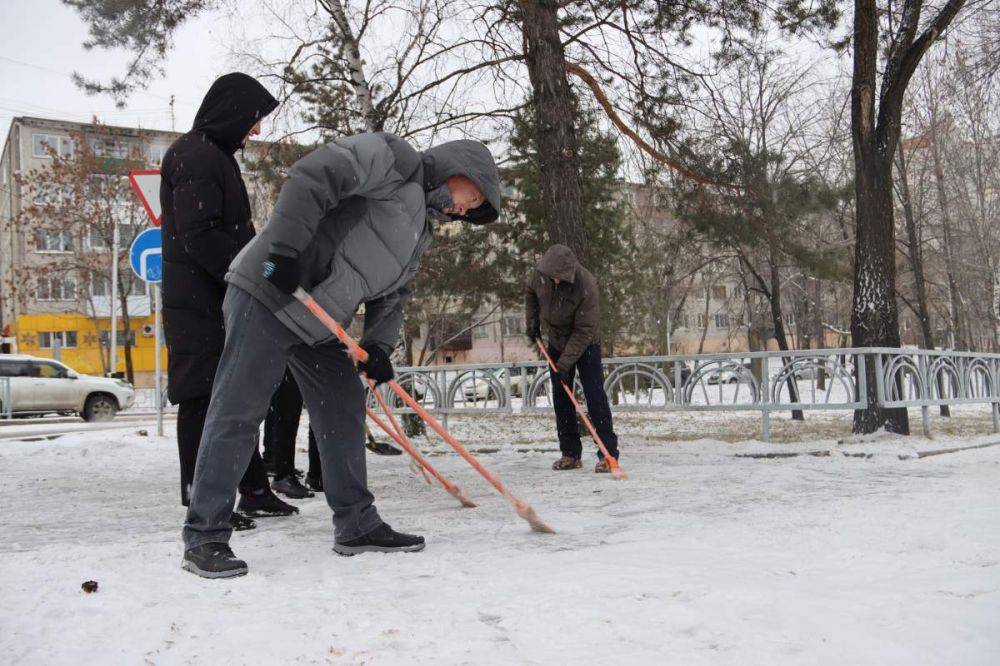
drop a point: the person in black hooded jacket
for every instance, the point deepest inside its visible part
(206, 222)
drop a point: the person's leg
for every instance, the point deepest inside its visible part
(566, 425)
(598, 409)
(282, 425)
(315, 472)
(255, 478)
(190, 422)
(252, 364)
(334, 396)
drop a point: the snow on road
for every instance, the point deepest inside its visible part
(698, 558)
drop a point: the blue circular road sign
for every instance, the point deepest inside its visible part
(146, 255)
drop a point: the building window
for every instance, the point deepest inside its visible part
(42, 143)
(156, 154)
(119, 338)
(138, 288)
(722, 321)
(47, 240)
(47, 194)
(701, 321)
(56, 289)
(47, 339)
(683, 321)
(719, 292)
(110, 148)
(95, 240)
(100, 287)
(513, 325)
(481, 331)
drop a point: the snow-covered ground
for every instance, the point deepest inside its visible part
(699, 557)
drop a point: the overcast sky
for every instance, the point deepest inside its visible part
(41, 45)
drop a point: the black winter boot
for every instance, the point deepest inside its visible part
(291, 487)
(241, 523)
(383, 539)
(213, 560)
(263, 502)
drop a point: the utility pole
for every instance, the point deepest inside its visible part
(172, 119)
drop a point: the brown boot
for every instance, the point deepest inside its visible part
(602, 467)
(567, 463)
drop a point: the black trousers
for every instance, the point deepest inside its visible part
(190, 422)
(281, 426)
(598, 409)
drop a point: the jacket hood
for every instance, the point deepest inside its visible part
(471, 159)
(558, 262)
(232, 106)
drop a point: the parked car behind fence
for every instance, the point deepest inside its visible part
(43, 386)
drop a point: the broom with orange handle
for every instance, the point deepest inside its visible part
(400, 438)
(616, 471)
(523, 510)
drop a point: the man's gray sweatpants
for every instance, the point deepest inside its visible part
(258, 349)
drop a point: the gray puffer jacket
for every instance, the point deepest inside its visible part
(356, 213)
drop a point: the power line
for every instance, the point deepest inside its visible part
(70, 76)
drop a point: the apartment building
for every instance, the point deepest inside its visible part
(48, 307)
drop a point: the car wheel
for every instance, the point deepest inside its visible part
(100, 407)
(734, 380)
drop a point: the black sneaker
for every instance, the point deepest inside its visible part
(315, 483)
(241, 523)
(264, 503)
(383, 539)
(213, 560)
(292, 487)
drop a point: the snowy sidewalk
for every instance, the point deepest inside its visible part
(698, 558)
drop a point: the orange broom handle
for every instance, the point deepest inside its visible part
(612, 462)
(401, 439)
(522, 508)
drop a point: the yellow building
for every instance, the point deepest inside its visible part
(80, 338)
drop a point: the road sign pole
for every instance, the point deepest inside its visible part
(113, 300)
(159, 383)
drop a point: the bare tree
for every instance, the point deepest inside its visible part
(78, 201)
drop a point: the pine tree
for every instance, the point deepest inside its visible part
(611, 252)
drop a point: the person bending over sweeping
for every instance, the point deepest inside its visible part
(349, 226)
(564, 295)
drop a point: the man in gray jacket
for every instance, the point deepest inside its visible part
(349, 226)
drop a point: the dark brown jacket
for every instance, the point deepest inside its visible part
(570, 310)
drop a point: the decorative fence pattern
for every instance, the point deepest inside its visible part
(765, 382)
(833, 379)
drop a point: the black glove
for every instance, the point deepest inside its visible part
(563, 377)
(282, 272)
(378, 367)
(534, 332)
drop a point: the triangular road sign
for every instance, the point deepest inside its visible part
(146, 183)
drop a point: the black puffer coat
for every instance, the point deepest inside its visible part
(206, 222)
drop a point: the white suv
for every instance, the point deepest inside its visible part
(42, 386)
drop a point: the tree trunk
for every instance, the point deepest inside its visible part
(818, 334)
(874, 313)
(127, 337)
(554, 106)
(352, 54)
(917, 263)
(961, 338)
(778, 322)
(704, 329)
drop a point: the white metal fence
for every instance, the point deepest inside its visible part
(765, 382)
